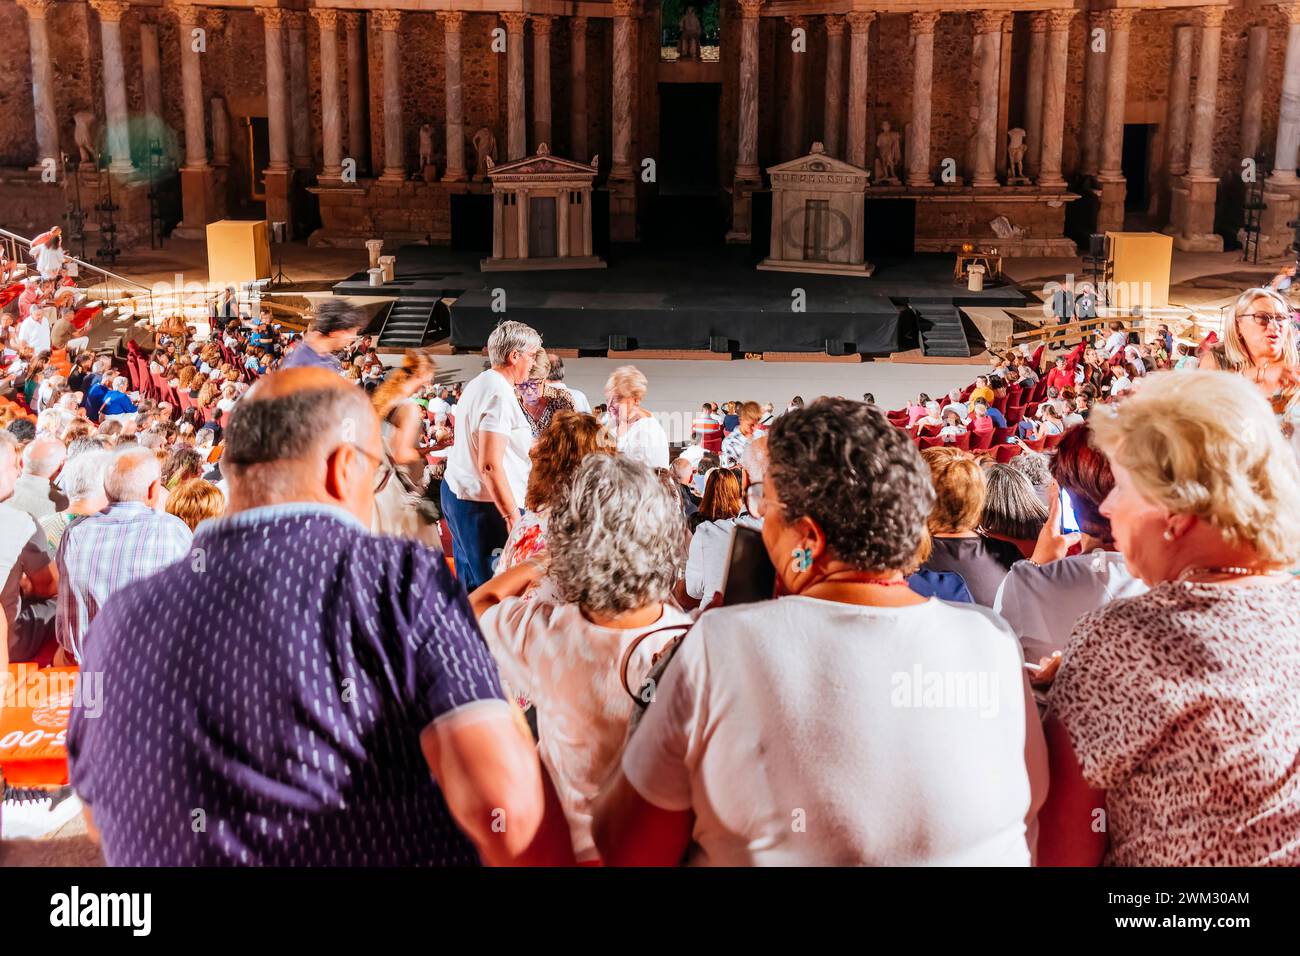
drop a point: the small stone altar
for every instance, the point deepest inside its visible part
(817, 216)
(541, 214)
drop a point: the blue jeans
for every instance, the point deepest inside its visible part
(478, 533)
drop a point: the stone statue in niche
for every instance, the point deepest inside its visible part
(220, 133)
(1016, 150)
(888, 154)
(485, 149)
(425, 168)
(688, 44)
(84, 136)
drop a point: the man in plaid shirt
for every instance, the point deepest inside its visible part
(126, 542)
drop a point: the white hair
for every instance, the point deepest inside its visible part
(43, 456)
(121, 384)
(511, 336)
(131, 473)
(83, 475)
(754, 460)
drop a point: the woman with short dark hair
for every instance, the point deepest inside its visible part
(828, 677)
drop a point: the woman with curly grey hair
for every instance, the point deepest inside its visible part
(890, 728)
(615, 551)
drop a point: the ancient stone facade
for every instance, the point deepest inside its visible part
(1176, 81)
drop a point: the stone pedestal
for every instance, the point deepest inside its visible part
(1110, 194)
(1192, 211)
(279, 194)
(1274, 233)
(197, 202)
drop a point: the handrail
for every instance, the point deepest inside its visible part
(81, 263)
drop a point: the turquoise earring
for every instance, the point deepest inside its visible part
(803, 558)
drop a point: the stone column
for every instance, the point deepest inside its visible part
(562, 224)
(1034, 91)
(1252, 105)
(38, 40)
(452, 21)
(277, 175)
(119, 131)
(855, 150)
(300, 93)
(918, 145)
(834, 84)
(394, 164)
(150, 69)
(197, 208)
(516, 137)
(1194, 202)
(621, 179)
(747, 177)
(1053, 116)
(1110, 178)
(578, 88)
(542, 80)
(220, 132)
(1180, 86)
(521, 222)
(1094, 95)
(988, 48)
(1282, 188)
(331, 98)
(358, 107)
(793, 127)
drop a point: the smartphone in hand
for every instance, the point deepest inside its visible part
(750, 574)
(1069, 523)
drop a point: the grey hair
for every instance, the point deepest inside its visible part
(1033, 465)
(130, 474)
(511, 336)
(754, 460)
(121, 384)
(1012, 508)
(615, 537)
(83, 475)
(43, 456)
(291, 427)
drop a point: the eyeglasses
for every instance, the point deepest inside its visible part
(382, 471)
(1265, 319)
(755, 502)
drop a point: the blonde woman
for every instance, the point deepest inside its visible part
(1174, 717)
(403, 419)
(1259, 342)
(639, 435)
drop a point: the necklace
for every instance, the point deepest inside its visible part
(1237, 572)
(853, 577)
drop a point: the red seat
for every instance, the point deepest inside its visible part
(1031, 409)
(1035, 444)
(1000, 435)
(1000, 403)
(925, 443)
(962, 441)
(1013, 415)
(1051, 441)
(982, 441)
(929, 431)
(1007, 452)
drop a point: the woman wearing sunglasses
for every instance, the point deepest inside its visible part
(1259, 342)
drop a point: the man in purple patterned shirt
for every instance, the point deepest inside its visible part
(299, 691)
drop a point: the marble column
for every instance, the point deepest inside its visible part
(1055, 74)
(118, 145)
(1252, 105)
(1095, 63)
(1110, 178)
(278, 175)
(747, 176)
(1195, 201)
(516, 135)
(358, 106)
(394, 163)
(1282, 188)
(300, 94)
(150, 70)
(452, 22)
(834, 84)
(1180, 89)
(855, 150)
(331, 97)
(793, 141)
(622, 139)
(1034, 91)
(542, 80)
(918, 145)
(988, 45)
(578, 88)
(196, 176)
(220, 132)
(38, 40)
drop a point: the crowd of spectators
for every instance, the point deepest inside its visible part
(944, 671)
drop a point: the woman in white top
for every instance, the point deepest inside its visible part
(639, 435)
(953, 427)
(850, 721)
(931, 417)
(615, 553)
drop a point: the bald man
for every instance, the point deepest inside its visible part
(303, 692)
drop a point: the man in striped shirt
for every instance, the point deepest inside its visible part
(128, 541)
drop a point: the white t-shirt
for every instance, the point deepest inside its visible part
(706, 562)
(439, 409)
(570, 668)
(647, 442)
(807, 732)
(489, 404)
(1043, 603)
(35, 333)
(1115, 343)
(580, 403)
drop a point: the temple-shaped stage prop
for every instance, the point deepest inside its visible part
(702, 299)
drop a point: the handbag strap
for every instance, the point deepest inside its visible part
(631, 649)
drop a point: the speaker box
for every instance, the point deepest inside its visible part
(719, 344)
(618, 343)
(836, 347)
(1097, 245)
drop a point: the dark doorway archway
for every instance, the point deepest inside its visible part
(688, 208)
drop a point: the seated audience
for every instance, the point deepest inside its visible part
(639, 434)
(1013, 511)
(195, 500)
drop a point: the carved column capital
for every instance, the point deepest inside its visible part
(326, 18)
(924, 22)
(1117, 19)
(796, 22)
(834, 25)
(295, 19)
(990, 21)
(387, 20)
(1038, 21)
(750, 8)
(1212, 17)
(451, 20)
(187, 14)
(541, 24)
(273, 16)
(110, 10)
(36, 9)
(1058, 20)
(1292, 11)
(352, 20)
(514, 21)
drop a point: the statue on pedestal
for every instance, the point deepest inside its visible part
(84, 136)
(485, 150)
(1016, 150)
(688, 44)
(888, 154)
(426, 151)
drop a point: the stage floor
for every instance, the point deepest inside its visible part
(690, 298)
